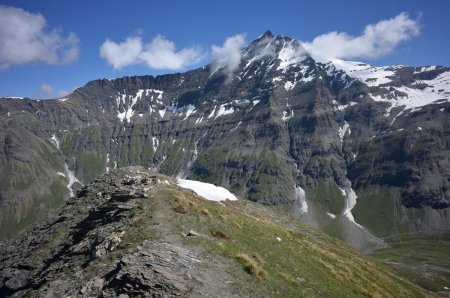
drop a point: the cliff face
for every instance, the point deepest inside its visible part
(285, 129)
(138, 233)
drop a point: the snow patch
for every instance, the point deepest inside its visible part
(234, 128)
(343, 130)
(107, 162)
(414, 98)
(255, 102)
(190, 110)
(207, 190)
(301, 198)
(199, 120)
(61, 174)
(350, 202)
(132, 100)
(424, 69)
(212, 113)
(286, 117)
(331, 215)
(63, 99)
(289, 85)
(224, 111)
(162, 113)
(370, 75)
(277, 79)
(72, 179)
(55, 141)
(159, 92)
(187, 110)
(290, 54)
(155, 143)
(338, 107)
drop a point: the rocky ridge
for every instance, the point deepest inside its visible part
(134, 232)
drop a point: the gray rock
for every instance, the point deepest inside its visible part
(261, 134)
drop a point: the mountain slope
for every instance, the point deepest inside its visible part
(336, 142)
(135, 232)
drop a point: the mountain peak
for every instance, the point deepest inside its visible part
(267, 34)
(289, 51)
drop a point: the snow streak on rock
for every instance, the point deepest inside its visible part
(72, 179)
(301, 197)
(55, 141)
(350, 202)
(127, 106)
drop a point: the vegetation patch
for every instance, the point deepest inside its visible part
(282, 257)
(219, 234)
(327, 196)
(91, 165)
(251, 265)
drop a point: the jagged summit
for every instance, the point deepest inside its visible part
(268, 46)
(267, 34)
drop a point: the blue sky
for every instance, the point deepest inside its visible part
(75, 31)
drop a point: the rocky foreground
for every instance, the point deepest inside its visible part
(132, 232)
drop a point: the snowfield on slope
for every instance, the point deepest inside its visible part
(207, 190)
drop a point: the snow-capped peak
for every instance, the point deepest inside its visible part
(408, 88)
(288, 51)
(370, 75)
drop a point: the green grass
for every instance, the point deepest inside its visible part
(147, 153)
(267, 253)
(22, 216)
(379, 209)
(175, 158)
(91, 164)
(275, 261)
(327, 197)
(422, 259)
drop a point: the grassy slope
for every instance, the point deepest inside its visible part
(425, 260)
(279, 255)
(270, 253)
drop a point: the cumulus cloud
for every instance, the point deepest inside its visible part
(228, 57)
(25, 38)
(160, 53)
(377, 40)
(46, 89)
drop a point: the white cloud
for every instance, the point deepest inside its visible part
(228, 57)
(122, 54)
(46, 89)
(376, 41)
(25, 38)
(160, 53)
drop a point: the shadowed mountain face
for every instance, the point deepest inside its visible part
(345, 146)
